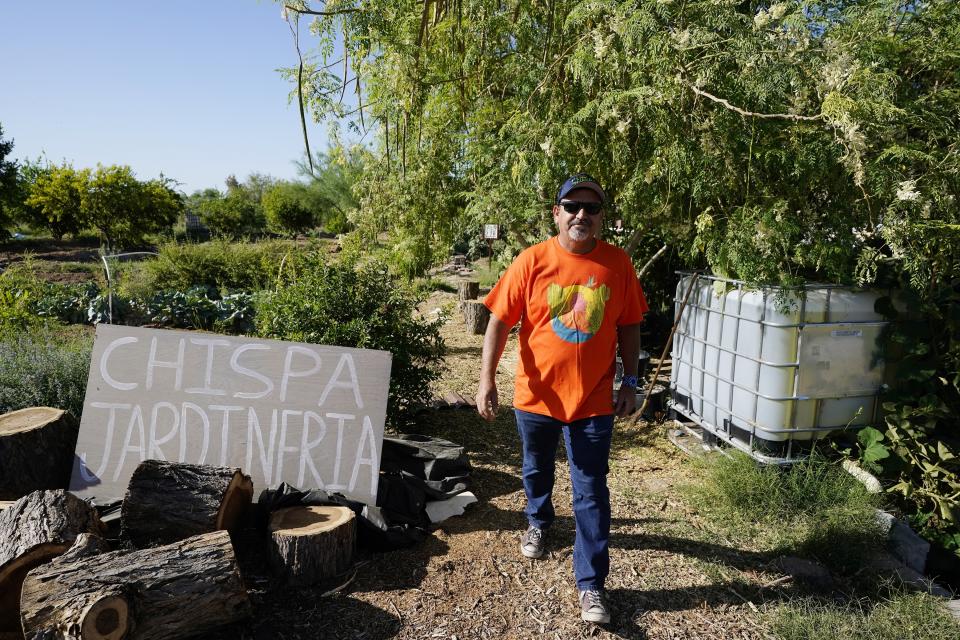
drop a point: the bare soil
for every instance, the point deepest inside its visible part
(59, 261)
(670, 577)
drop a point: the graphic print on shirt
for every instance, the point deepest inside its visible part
(577, 310)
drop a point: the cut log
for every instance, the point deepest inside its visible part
(36, 450)
(468, 290)
(476, 315)
(33, 530)
(178, 590)
(308, 544)
(170, 501)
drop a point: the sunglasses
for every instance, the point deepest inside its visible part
(592, 208)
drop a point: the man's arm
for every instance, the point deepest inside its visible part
(494, 340)
(628, 337)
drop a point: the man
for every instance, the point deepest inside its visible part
(577, 298)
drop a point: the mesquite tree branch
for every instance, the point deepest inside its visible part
(753, 114)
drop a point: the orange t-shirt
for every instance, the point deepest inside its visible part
(569, 307)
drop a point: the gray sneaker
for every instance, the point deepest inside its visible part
(593, 606)
(532, 544)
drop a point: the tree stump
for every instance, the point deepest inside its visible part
(468, 290)
(36, 450)
(170, 501)
(308, 544)
(33, 530)
(178, 590)
(476, 316)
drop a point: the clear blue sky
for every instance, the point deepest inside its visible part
(184, 87)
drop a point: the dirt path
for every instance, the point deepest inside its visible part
(669, 579)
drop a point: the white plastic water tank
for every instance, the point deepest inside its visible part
(771, 369)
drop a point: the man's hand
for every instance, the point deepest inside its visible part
(494, 340)
(487, 402)
(626, 401)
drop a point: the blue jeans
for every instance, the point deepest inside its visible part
(588, 452)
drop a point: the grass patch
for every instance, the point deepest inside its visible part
(918, 616)
(813, 509)
(425, 286)
(45, 366)
(487, 276)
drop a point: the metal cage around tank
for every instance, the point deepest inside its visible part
(769, 370)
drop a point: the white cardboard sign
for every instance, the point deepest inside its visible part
(310, 415)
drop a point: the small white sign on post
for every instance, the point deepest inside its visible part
(309, 415)
(491, 231)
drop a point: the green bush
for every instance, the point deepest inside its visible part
(359, 306)
(44, 366)
(220, 264)
(285, 209)
(813, 508)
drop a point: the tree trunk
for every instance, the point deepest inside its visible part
(36, 450)
(183, 589)
(476, 316)
(170, 501)
(308, 544)
(468, 290)
(33, 530)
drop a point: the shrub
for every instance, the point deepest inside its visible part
(813, 508)
(359, 306)
(219, 264)
(44, 367)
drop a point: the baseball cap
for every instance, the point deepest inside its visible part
(580, 181)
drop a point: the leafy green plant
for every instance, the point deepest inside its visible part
(350, 305)
(871, 448)
(44, 366)
(812, 508)
(197, 308)
(922, 432)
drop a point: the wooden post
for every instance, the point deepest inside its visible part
(476, 316)
(308, 544)
(36, 450)
(33, 530)
(468, 290)
(183, 589)
(170, 501)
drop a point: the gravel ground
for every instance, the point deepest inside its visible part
(670, 578)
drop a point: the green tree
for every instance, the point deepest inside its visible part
(769, 139)
(55, 199)
(8, 184)
(331, 185)
(231, 215)
(286, 210)
(123, 209)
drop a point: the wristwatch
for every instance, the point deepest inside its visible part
(628, 381)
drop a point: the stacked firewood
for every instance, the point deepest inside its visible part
(173, 573)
